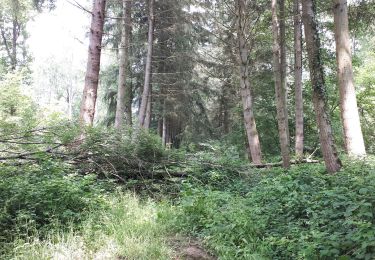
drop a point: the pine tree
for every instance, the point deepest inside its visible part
(90, 90)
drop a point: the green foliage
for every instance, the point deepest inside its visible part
(126, 153)
(217, 166)
(299, 214)
(126, 228)
(17, 111)
(36, 197)
(365, 80)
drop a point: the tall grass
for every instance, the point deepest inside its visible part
(126, 229)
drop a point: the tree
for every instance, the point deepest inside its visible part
(14, 15)
(124, 91)
(13, 21)
(279, 67)
(353, 137)
(146, 88)
(90, 90)
(245, 85)
(298, 78)
(332, 162)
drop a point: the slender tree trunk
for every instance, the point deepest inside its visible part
(7, 47)
(226, 122)
(332, 162)
(15, 35)
(250, 125)
(279, 73)
(146, 87)
(298, 79)
(129, 87)
(147, 122)
(69, 99)
(164, 132)
(353, 137)
(11, 47)
(90, 90)
(223, 113)
(123, 108)
(283, 65)
(160, 127)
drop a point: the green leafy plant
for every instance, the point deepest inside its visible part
(298, 214)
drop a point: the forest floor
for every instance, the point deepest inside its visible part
(204, 206)
(189, 249)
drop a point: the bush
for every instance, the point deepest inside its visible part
(299, 214)
(17, 111)
(38, 197)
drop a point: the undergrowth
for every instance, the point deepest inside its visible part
(303, 213)
(122, 196)
(37, 198)
(126, 229)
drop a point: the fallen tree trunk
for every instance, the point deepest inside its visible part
(279, 164)
(26, 155)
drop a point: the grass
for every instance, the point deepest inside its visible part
(126, 229)
(300, 213)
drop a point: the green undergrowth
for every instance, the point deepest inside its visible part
(50, 211)
(126, 229)
(38, 197)
(303, 213)
(122, 196)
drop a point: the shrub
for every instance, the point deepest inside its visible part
(299, 214)
(39, 196)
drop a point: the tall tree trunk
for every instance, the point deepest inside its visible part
(90, 90)
(146, 87)
(279, 73)
(283, 65)
(226, 121)
(164, 131)
(250, 125)
(124, 92)
(147, 122)
(69, 99)
(224, 109)
(353, 137)
(15, 35)
(332, 162)
(298, 79)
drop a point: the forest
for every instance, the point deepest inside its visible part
(187, 129)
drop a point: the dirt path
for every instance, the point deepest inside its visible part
(190, 249)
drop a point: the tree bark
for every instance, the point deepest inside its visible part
(147, 122)
(298, 79)
(332, 162)
(15, 35)
(250, 125)
(146, 87)
(283, 64)
(90, 90)
(279, 74)
(353, 137)
(124, 92)
(226, 122)
(164, 131)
